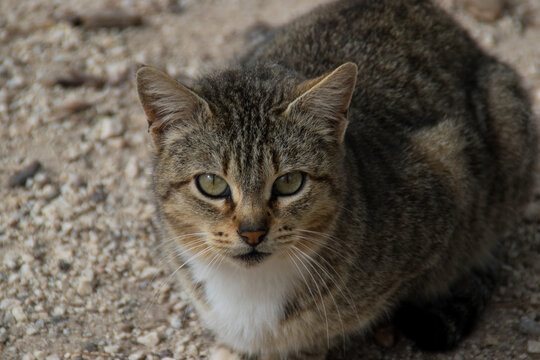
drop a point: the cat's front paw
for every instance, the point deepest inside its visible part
(222, 352)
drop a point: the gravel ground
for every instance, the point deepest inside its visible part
(81, 273)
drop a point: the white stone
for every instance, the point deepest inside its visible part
(7, 304)
(31, 330)
(175, 321)
(150, 339)
(139, 355)
(39, 354)
(132, 168)
(180, 349)
(150, 272)
(108, 127)
(533, 347)
(18, 313)
(12, 260)
(112, 349)
(84, 286)
(59, 311)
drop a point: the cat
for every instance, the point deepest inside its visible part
(358, 165)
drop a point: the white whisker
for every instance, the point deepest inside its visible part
(320, 295)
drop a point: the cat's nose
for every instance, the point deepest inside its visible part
(253, 238)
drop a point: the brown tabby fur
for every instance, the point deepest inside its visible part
(417, 158)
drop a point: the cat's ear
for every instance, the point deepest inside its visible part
(325, 101)
(166, 102)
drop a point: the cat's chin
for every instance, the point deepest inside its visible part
(252, 258)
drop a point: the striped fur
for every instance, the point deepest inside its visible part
(410, 179)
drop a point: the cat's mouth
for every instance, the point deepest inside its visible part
(253, 257)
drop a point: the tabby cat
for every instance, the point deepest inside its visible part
(359, 164)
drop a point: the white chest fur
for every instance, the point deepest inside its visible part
(247, 304)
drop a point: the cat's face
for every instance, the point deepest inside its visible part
(247, 171)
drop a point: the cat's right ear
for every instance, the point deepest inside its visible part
(324, 101)
(167, 103)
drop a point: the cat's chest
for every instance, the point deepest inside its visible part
(246, 304)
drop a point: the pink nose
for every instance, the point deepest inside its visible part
(253, 238)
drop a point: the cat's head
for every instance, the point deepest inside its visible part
(248, 163)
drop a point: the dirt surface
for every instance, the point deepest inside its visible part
(81, 272)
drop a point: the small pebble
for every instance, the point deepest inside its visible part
(31, 330)
(90, 346)
(485, 10)
(75, 78)
(85, 287)
(533, 347)
(3, 335)
(176, 321)
(150, 339)
(112, 349)
(529, 327)
(107, 19)
(20, 177)
(64, 266)
(73, 106)
(139, 355)
(166, 353)
(192, 350)
(150, 272)
(180, 349)
(491, 340)
(18, 313)
(132, 168)
(108, 127)
(59, 311)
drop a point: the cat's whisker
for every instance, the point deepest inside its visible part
(312, 261)
(170, 256)
(320, 294)
(306, 283)
(343, 286)
(178, 251)
(326, 236)
(323, 244)
(212, 263)
(168, 279)
(348, 297)
(169, 240)
(167, 259)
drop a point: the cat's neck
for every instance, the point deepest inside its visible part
(247, 303)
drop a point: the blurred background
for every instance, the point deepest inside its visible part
(81, 272)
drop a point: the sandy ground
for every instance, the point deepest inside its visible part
(81, 272)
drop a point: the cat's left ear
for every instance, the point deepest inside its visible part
(324, 101)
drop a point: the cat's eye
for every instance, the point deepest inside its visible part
(212, 185)
(289, 184)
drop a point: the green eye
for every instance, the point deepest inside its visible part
(212, 185)
(289, 184)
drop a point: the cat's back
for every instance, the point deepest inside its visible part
(422, 84)
(398, 37)
(412, 59)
